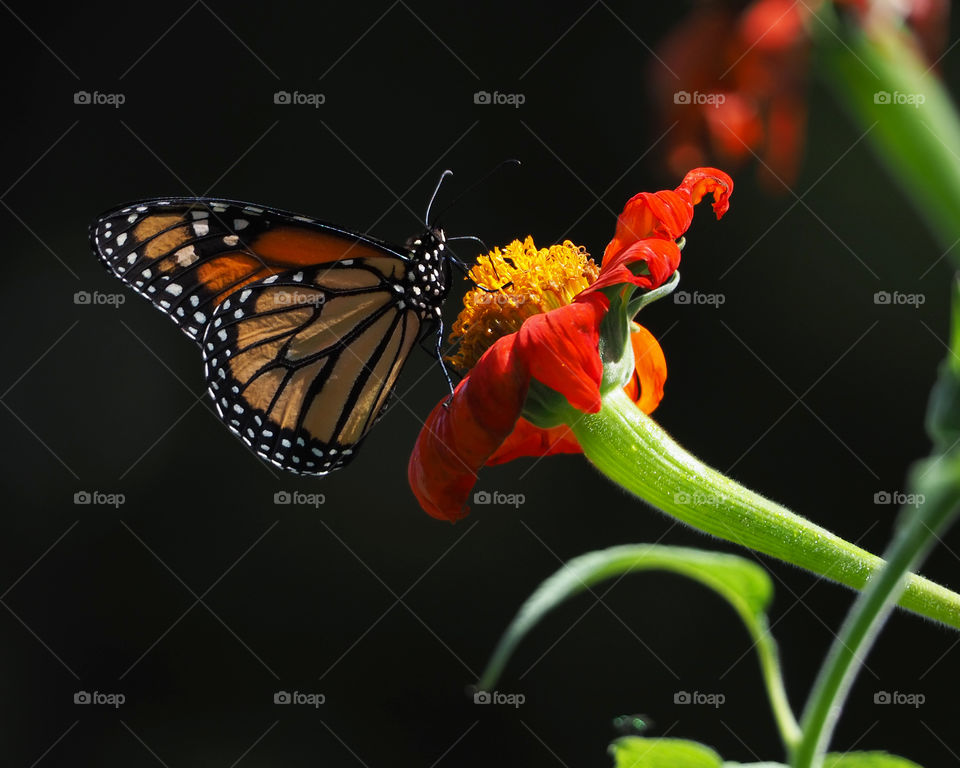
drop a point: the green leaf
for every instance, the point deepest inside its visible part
(867, 760)
(639, 752)
(919, 142)
(943, 410)
(744, 584)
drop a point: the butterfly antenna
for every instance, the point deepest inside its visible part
(469, 237)
(436, 189)
(460, 263)
(477, 183)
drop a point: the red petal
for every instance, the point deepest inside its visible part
(646, 386)
(528, 440)
(701, 182)
(661, 256)
(664, 215)
(558, 348)
(667, 214)
(457, 439)
(561, 349)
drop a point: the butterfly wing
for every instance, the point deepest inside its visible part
(301, 364)
(187, 255)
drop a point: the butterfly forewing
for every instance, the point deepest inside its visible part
(304, 326)
(301, 364)
(187, 255)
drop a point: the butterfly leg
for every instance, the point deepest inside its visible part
(435, 328)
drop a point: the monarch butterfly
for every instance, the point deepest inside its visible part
(303, 326)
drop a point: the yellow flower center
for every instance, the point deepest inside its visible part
(512, 284)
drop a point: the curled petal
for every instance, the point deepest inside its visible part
(667, 214)
(528, 440)
(645, 388)
(663, 214)
(662, 257)
(701, 182)
(459, 437)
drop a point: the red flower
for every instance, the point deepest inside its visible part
(554, 357)
(733, 82)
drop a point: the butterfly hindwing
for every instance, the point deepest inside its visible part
(187, 255)
(302, 363)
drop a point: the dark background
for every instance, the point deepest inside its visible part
(297, 598)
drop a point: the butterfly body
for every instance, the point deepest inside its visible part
(303, 326)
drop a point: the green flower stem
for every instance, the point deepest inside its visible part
(939, 481)
(636, 453)
(769, 657)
